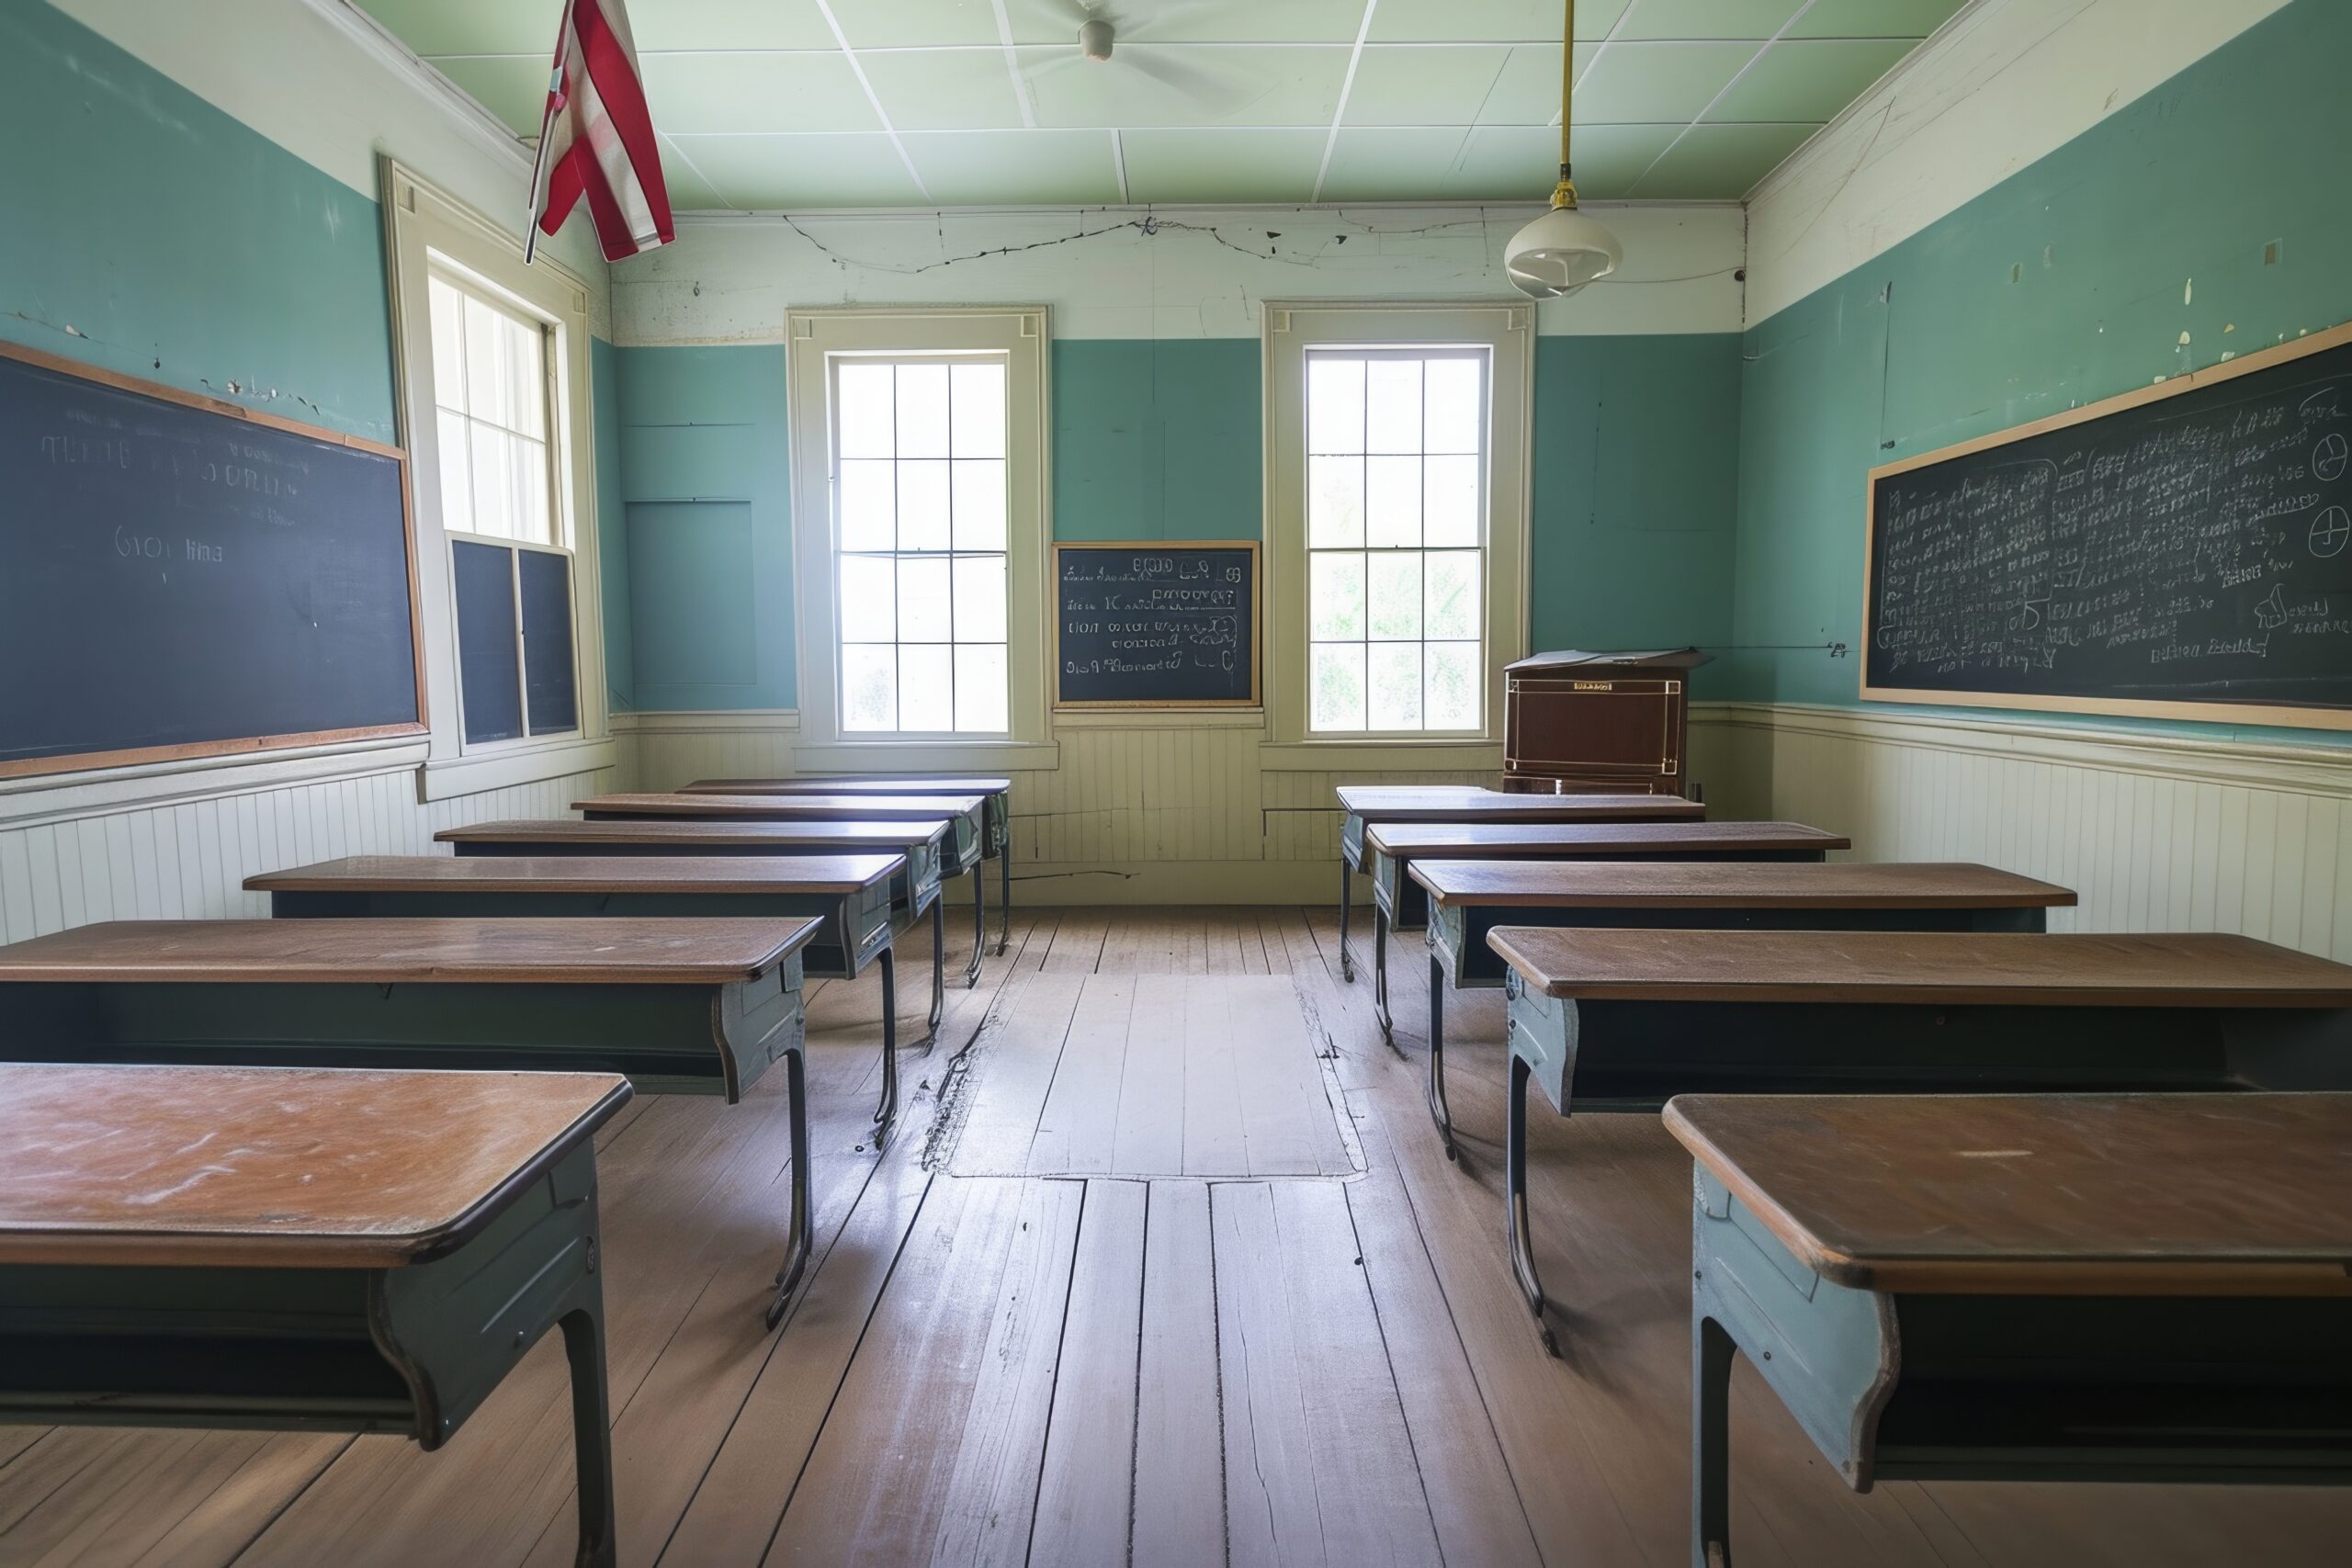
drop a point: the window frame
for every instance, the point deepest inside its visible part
(1506, 331)
(429, 233)
(1017, 334)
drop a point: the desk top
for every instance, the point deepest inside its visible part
(2126, 1193)
(1730, 884)
(584, 874)
(685, 836)
(1447, 803)
(820, 808)
(274, 1167)
(1933, 968)
(660, 950)
(1536, 841)
(861, 783)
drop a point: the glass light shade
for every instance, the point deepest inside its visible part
(1560, 252)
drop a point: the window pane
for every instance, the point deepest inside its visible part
(866, 411)
(979, 393)
(979, 598)
(490, 371)
(1452, 685)
(869, 686)
(1453, 581)
(1396, 686)
(864, 493)
(926, 687)
(1451, 406)
(495, 483)
(1392, 500)
(922, 410)
(1392, 595)
(1334, 594)
(1337, 701)
(1334, 503)
(979, 503)
(870, 599)
(981, 690)
(531, 491)
(1334, 405)
(448, 312)
(1393, 405)
(923, 615)
(457, 473)
(525, 344)
(1450, 501)
(923, 505)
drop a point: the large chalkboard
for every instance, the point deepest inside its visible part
(2178, 552)
(181, 577)
(1150, 625)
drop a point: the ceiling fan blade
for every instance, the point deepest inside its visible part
(1212, 91)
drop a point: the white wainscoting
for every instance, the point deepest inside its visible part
(190, 857)
(2155, 832)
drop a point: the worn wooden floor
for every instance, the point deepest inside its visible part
(1122, 1366)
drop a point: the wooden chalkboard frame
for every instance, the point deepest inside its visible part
(1256, 698)
(90, 762)
(2284, 715)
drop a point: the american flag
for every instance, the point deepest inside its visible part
(597, 139)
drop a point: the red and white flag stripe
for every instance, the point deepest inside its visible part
(597, 139)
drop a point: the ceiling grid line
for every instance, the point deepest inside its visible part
(1339, 111)
(1012, 65)
(1119, 160)
(1736, 77)
(696, 169)
(825, 9)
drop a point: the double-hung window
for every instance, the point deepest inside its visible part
(1397, 490)
(919, 515)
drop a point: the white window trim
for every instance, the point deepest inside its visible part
(425, 220)
(1507, 330)
(1019, 333)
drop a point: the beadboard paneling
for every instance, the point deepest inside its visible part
(188, 859)
(2154, 832)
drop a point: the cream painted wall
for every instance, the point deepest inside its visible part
(2002, 84)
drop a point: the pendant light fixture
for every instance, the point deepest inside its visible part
(1563, 250)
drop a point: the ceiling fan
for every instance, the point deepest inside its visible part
(1099, 44)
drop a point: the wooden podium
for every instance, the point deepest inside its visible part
(1575, 721)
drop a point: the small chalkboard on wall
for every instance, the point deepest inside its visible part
(2177, 552)
(1153, 624)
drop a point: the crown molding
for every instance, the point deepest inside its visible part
(476, 123)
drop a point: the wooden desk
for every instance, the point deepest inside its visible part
(996, 791)
(1472, 897)
(2053, 1288)
(962, 813)
(847, 895)
(278, 1247)
(1365, 804)
(914, 890)
(1628, 1018)
(676, 1006)
(1398, 901)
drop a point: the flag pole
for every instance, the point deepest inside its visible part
(539, 153)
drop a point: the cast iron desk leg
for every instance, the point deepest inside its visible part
(796, 1242)
(1438, 1113)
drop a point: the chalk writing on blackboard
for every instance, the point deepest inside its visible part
(1159, 624)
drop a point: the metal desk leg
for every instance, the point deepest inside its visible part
(1380, 978)
(1004, 874)
(1347, 964)
(938, 968)
(1711, 1355)
(797, 1238)
(887, 1112)
(980, 926)
(1438, 1111)
(592, 1434)
(1522, 1252)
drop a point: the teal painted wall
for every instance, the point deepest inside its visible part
(1158, 439)
(708, 522)
(1636, 484)
(1932, 343)
(612, 526)
(178, 244)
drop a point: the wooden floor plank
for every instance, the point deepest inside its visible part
(1014, 1062)
(1215, 1141)
(1089, 1462)
(1149, 1137)
(1273, 1518)
(1179, 1443)
(92, 1497)
(1077, 944)
(1078, 1125)
(1291, 1126)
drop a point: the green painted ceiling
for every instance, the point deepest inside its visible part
(769, 103)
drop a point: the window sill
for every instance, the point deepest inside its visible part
(925, 756)
(454, 776)
(1387, 756)
(1159, 718)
